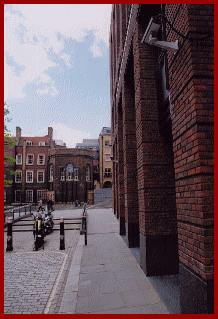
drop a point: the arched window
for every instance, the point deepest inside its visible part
(51, 173)
(69, 172)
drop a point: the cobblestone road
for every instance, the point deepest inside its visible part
(33, 281)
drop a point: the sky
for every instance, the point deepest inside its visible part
(56, 69)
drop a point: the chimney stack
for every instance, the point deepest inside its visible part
(50, 132)
(18, 132)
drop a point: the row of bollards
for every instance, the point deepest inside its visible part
(10, 238)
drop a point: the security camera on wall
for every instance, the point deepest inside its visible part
(150, 37)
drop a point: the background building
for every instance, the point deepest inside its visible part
(45, 166)
(105, 167)
(70, 174)
(93, 145)
(31, 155)
(162, 142)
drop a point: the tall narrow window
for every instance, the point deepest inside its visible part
(29, 196)
(17, 196)
(18, 177)
(40, 194)
(88, 173)
(40, 177)
(76, 174)
(69, 172)
(41, 160)
(62, 173)
(30, 159)
(18, 159)
(29, 176)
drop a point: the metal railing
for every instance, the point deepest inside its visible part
(19, 212)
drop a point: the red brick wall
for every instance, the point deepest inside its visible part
(191, 82)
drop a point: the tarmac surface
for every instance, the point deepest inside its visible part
(102, 277)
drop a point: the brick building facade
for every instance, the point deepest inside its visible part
(162, 141)
(70, 174)
(42, 165)
(105, 163)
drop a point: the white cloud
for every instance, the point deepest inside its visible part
(48, 85)
(71, 20)
(68, 135)
(96, 50)
(32, 29)
(66, 58)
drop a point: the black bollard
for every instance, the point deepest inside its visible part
(36, 234)
(62, 242)
(9, 235)
(85, 233)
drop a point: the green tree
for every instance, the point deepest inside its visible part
(7, 141)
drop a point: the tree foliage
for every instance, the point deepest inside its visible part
(7, 141)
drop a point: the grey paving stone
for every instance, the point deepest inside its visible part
(129, 273)
(90, 269)
(119, 286)
(97, 277)
(141, 297)
(100, 302)
(88, 290)
(131, 310)
(144, 283)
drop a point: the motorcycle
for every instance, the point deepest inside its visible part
(48, 222)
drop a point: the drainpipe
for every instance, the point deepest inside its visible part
(23, 172)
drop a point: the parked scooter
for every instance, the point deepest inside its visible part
(48, 222)
(38, 232)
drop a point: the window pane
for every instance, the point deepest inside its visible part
(29, 196)
(18, 178)
(107, 157)
(18, 159)
(29, 176)
(62, 173)
(40, 176)
(17, 196)
(30, 159)
(41, 159)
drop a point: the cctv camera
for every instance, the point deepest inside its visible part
(151, 30)
(150, 37)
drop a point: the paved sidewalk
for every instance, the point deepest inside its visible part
(104, 276)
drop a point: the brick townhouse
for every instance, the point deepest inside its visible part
(162, 142)
(31, 155)
(45, 165)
